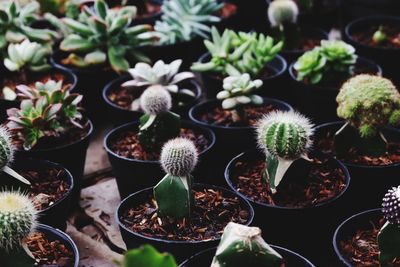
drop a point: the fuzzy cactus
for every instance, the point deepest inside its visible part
(147, 256)
(285, 137)
(173, 193)
(158, 124)
(244, 246)
(281, 12)
(389, 235)
(17, 219)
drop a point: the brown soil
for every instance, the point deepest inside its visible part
(321, 184)
(326, 145)
(362, 248)
(221, 117)
(47, 186)
(392, 31)
(127, 145)
(306, 43)
(227, 11)
(211, 213)
(13, 80)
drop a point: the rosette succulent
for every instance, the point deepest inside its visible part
(310, 66)
(339, 55)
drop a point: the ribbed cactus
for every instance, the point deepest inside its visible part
(147, 256)
(173, 193)
(285, 137)
(158, 124)
(281, 12)
(17, 219)
(7, 154)
(389, 235)
(244, 246)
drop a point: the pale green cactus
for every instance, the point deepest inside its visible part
(242, 245)
(285, 137)
(173, 193)
(147, 256)
(281, 12)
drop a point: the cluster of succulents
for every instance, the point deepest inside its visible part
(103, 35)
(285, 137)
(48, 110)
(236, 53)
(182, 20)
(331, 56)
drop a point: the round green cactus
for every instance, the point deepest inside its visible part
(285, 134)
(155, 100)
(6, 148)
(179, 157)
(282, 11)
(17, 219)
(369, 103)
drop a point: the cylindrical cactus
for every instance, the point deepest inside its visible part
(244, 246)
(173, 193)
(17, 219)
(155, 100)
(285, 137)
(281, 12)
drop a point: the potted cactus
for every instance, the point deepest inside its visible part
(283, 19)
(290, 183)
(26, 243)
(242, 245)
(177, 215)
(135, 147)
(234, 53)
(318, 74)
(233, 115)
(368, 104)
(371, 237)
(122, 95)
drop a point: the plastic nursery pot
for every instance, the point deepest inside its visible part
(355, 9)
(205, 258)
(180, 249)
(349, 227)
(319, 101)
(310, 227)
(69, 78)
(230, 140)
(119, 115)
(369, 183)
(134, 174)
(386, 57)
(91, 81)
(56, 214)
(274, 77)
(72, 156)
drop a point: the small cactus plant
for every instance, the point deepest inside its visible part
(285, 137)
(389, 234)
(147, 256)
(242, 245)
(158, 124)
(379, 36)
(173, 193)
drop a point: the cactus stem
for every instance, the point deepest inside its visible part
(149, 122)
(14, 174)
(276, 169)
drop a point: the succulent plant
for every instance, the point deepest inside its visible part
(158, 124)
(236, 53)
(339, 55)
(173, 193)
(282, 12)
(379, 36)
(102, 35)
(17, 219)
(389, 234)
(182, 20)
(310, 66)
(147, 256)
(285, 137)
(242, 245)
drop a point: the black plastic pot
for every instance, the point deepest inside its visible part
(387, 58)
(55, 215)
(272, 85)
(180, 249)
(70, 78)
(349, 228)
(319, 101)
(231, 140)
(118, 115)
(133, 175)
(355, 9)
(314, 224)
(205, 258)
(71, 156)
(369, 183)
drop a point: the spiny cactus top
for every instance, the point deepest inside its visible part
(6, 148)
(391, 205)
(17, 219)
(282, 11)
(285, 134)
(155, 100)
(179, 157)
(369, 103)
